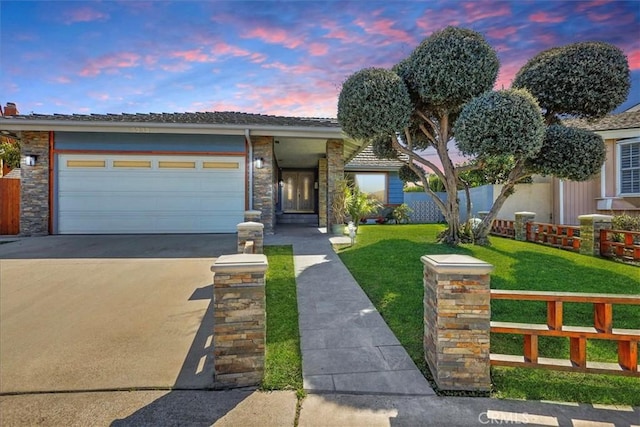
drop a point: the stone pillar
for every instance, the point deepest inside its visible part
(457, 316)
(251, 231)
(252, 216)
(239, 329)
(335, 172)
(264, 181)
(34, 184)
(590, 226)
(520, 224)
(322, 193)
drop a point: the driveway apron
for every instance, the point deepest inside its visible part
(346, 345)
(107, 312)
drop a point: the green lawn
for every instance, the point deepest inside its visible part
(386, 263)
(283, 365)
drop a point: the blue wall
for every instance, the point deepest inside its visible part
(395, 194)
(116, 141)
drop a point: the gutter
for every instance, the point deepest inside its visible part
(247, 137)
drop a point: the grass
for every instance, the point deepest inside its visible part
(386, 263)
(283, 364)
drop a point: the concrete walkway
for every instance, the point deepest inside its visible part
(346, 345)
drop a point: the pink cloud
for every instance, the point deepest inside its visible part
(586, 5)
(62, 80)
(334, 30)
(274, 36)
(634, 59)
(385, 28)
(193, 55)
(501, 33)
(301, 69)
(318, 49)
(222, 48)
(546, 18)
(476, 11)
(84, 14)
(110, 63)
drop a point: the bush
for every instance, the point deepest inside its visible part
(626, 222)
(401, 214)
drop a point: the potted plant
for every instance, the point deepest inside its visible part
(339, 205)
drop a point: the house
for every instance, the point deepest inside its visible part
(377, 177)
(174, 172)
(616, 189)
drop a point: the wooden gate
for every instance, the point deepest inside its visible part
(9, 206)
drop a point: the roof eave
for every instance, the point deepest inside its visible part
(155, 127)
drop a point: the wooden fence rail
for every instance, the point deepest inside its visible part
(621, 244)
(627, 339)
(503, 227)
(561, 236)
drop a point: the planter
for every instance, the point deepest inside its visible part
(337, 229)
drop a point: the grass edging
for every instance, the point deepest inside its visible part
(283, 361)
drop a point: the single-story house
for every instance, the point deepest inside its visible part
(616, 189)
(174, 172)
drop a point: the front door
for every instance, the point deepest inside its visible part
(298, 191)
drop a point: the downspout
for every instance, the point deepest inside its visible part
(247, 137)
(561, 200)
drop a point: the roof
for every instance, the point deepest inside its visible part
(222, 117)
(366, 160)
(626, 120)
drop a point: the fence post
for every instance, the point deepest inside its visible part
(520, 224)
(590, 226)
(252, 216)
(239, 324)
(457, 321)
(251, 231)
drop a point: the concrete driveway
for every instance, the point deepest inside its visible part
(107, 312)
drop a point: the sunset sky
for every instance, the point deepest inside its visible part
(283, 58)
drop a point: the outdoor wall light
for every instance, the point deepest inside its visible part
(30, 159)
(259, 161)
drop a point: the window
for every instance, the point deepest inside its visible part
(374, 184)
(629, 161)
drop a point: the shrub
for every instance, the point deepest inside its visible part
(626, 222)
(401, 214)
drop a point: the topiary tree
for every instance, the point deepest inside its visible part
(448, 79)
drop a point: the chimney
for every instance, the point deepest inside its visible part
(10, 109)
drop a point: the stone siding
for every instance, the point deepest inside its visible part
(335, 172)
(520, 224)
(590, 226)
(457, 318)
(34, 185)
(322, 193)
(239, 330)
(264, 181)
(251, 232)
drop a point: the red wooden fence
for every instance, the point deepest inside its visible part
(9, 206)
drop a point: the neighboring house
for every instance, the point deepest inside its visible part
(616, 189)
(377, 177)
(173, 173)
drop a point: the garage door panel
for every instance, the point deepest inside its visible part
(208, 197)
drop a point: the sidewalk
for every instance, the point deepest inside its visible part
(346, 345)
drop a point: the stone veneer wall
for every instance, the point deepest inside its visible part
(335, 171)
(322, 193)
(457, 321)
(590, 226)
(263, 181)
(251, 231)
(520, 224)
(34, 185)
(239, 328)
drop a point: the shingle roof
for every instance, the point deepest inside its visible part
(626, 120)
(223, 118)
(367, 160)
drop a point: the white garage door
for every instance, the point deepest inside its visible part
(110, 194)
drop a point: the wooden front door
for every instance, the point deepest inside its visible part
(298, 194)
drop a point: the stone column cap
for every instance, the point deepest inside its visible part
(596, 217)
(525, 213)
(454, 263)
(240, 263)
(250, 224)
(253, 212)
